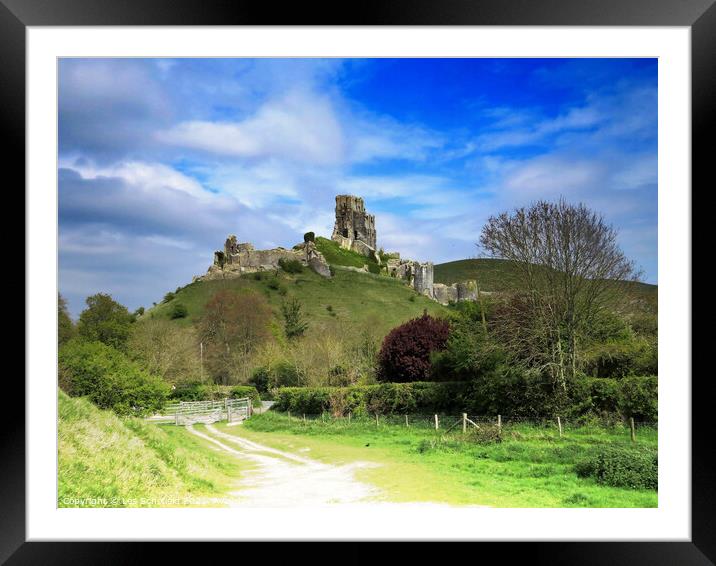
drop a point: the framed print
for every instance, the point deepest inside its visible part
(423, 275)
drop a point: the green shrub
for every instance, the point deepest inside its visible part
(168, 297)
(374, 268)
(486, 434)
(309, 237)
(635, 468)
(242, 391)
(633, 355)
(179, 310)
(605, 394)
(290, 265)
(638, 397)
(260, 379)
(109, 379)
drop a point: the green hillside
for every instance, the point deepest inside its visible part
(499, 274)
(108, 461)
(491, 274)
(360, 298)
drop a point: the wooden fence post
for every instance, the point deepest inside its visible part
(406, 420)
(633, 431)
(349, 417)
(464, 423)
(437, 423)
(559, 425)
(499, 424)
(323, 418)
(376, 420)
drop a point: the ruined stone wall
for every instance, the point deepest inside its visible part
(239, 258)
(423, 278)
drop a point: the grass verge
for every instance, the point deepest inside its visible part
(108, 461)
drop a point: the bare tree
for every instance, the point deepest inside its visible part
(570, 267)
(232, 327)
(167, 349)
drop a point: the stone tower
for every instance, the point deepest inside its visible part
(354, 228)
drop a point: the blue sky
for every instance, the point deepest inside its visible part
(160, 159)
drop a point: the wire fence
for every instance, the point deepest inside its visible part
(466, 423)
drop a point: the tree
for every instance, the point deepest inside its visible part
(166, 349)
(406, 350)
(294, 321)
(470, 352)
(105, 320)
(571, 268)
(232, 327)
(65, 327)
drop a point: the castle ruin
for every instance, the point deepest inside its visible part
(354, 230)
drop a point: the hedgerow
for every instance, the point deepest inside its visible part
(507, 393)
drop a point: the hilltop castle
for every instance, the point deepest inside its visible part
(354, 230)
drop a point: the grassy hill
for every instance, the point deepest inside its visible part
(491, 274)
(499, 275)
(360, 298)
(102, 456)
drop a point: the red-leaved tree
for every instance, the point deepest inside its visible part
(405, 353)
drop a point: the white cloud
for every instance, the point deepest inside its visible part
(550, 176)
(299, 126)
(637, 173)
(150, 177)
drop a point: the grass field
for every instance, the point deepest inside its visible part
(107, 461)
(355, 298)
(531, 467)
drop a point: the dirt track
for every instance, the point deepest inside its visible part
(283, 479)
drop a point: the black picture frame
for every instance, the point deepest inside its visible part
(699, 15)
